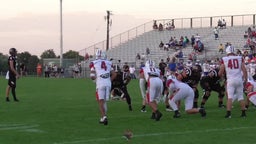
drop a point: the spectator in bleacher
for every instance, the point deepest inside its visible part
(221, 48)
(206, 67)
(170, 26)
(249, 31)
(161, 27)
(246, 34)
(190, 56)
(245, 53)
(223, 23)
(253, 28)
(216, 33)
(179, 54)
(252, 45)
(238, 52)
(155, 25)
(197, 37)
(187, 40)
(180, 44)
(194, 57)
(247, 43)
(253, 32)
(175, 42)
(219, 23)
(166, 46)
(227, 44)
(199, 46)
(161, 45)
(171, 43)
(147, 51)
(168, 59)
(192, 40)
(184, 42)
(138, 56)
(252, 48)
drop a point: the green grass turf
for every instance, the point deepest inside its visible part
(64, 111)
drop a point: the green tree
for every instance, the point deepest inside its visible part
(33, 61)
(3, 62)
(30, 61)
(23, 57)
(48, 54)
(70, 54)
(73, 55)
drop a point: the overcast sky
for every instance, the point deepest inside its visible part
(33, 25)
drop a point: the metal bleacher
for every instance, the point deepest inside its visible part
(127, 51)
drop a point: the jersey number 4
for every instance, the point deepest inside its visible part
(103, 65)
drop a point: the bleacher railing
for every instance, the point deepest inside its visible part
(180, 23)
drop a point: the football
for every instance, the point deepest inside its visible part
(93, 75)
(128, 134)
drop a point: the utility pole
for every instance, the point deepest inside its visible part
(61, 36)
(108, 23)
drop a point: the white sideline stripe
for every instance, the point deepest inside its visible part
(157, 134)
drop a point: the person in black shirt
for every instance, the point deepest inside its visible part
(22, 69)
(119, 85)
(192, 79)
(209, 83)
(162, 65)
(13, 74)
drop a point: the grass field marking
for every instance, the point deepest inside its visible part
(157, 134)
(20, 127)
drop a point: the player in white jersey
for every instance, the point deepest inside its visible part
(252, 67)
(247, 67)
(236, 76)
(143, 84)
(251, 91)
(151, 74)
(103, 74)
(179, 91)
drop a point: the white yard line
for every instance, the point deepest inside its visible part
(20, 127)
(156, 134)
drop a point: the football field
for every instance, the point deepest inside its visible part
(64, 111)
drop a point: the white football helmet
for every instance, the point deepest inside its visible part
(100, 54)
(150, 63)
(230, 49)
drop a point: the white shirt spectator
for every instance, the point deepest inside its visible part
(206, 68)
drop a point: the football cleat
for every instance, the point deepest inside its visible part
(202, 112)
(177, 115)
(227, 116)
(158, 115)
(168, 109)
(153, 116)
(104, 120)
(143, 110)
